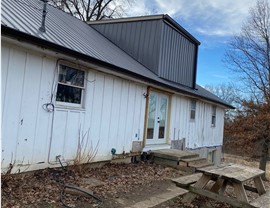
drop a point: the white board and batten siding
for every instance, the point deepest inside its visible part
(198, 132)
(112, 115)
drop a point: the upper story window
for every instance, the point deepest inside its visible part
(192, 109)
(213, 119)
(71, 86)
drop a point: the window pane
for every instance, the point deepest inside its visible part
(193, 104)
(71, 76)
(213, 120)
(192, 114)
(192, 109)
(214, 110)
(68, 94)
(162, 118)
(151, 116)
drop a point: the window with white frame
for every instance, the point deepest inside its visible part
(214, 112)
(71, 86)
(192, 109)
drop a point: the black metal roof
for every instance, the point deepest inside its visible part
(68, 35)
(164, 17)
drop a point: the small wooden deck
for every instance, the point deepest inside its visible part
(173, 154)
(184, 160)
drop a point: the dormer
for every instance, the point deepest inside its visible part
(157, 42)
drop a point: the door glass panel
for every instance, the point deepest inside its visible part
(162, 118)
(151, 116)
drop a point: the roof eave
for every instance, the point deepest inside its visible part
(180, 28)
(58, 48)
(126, 19)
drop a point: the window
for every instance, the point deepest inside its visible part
(70, 87)
(192, 109)
(213, 120)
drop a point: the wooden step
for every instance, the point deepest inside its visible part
(202, 165)
(185, 181)
(192, 161)
(166, 162)
(263, 201)
(192, 168)
(172, 154)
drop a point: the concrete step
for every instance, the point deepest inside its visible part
(154, 200)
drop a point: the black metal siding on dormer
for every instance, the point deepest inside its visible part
(140, 39)
(178, 56)
(160, 46)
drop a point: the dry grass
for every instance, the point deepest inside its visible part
(246, 161)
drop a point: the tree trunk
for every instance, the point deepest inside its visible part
(264, 156)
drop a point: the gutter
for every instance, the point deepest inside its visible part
(21, 36)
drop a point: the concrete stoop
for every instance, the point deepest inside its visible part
(183, 160)
(171, 192)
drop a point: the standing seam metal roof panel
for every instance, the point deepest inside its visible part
(145, 36)
(175, 47)
(65, 31)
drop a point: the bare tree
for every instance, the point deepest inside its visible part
(248, 55)
(88, 10)
(230, 93)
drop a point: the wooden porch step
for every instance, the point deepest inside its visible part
(263, 201)
(186, 181)
(202, 165)
(192, 161)
(183, 160)
(173, 154)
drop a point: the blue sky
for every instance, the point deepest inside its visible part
(212, 22)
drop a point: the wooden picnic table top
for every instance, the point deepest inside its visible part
(234, 172)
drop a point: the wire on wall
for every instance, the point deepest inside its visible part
(49, 107)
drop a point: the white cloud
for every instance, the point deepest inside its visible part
(138, 8)
(207, 17)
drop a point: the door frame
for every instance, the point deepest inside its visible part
(169, 95)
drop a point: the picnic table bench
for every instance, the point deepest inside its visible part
(227, 174)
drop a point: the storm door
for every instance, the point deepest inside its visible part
(157, 118)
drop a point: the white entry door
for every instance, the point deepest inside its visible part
(157, 118)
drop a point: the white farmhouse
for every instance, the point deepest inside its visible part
(87, 91)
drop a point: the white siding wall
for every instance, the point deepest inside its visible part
(26, 85)
(198, 133)
(113, 113)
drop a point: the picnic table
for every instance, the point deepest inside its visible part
(234, 175)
